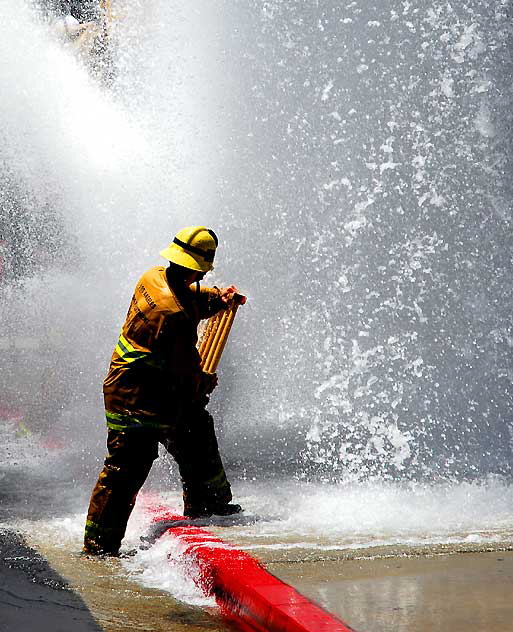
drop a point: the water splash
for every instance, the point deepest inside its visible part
(352, 159)
(379, 212)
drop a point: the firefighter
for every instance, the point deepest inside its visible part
(155, 392)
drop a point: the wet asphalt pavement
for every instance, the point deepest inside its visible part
(33, 596)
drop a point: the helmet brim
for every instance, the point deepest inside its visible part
(178, 256)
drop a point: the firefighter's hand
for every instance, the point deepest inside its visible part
(208, 383)
(228, 293)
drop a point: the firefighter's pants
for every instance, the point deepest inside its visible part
(131, 452)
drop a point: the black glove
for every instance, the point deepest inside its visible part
(207, 384)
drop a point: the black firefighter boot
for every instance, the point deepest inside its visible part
(207, 510)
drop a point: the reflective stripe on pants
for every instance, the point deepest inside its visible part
(131, 452)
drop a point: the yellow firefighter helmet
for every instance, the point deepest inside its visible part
(193, 247)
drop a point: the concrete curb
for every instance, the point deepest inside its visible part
(246, 593)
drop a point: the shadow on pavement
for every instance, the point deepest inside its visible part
(35, 597)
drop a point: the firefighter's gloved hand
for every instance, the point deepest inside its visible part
(227, 294)
(208, 383)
